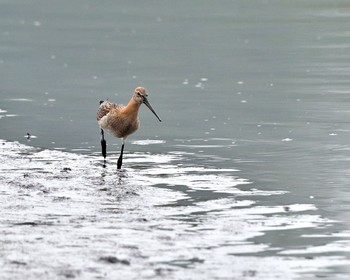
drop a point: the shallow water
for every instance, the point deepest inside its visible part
(64, 215)
(247, 175)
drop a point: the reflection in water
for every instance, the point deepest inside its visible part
(160, 217)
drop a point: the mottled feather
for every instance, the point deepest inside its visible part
(105, 108)
(113, 119)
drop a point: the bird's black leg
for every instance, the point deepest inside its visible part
(103, 146)
(120, 160)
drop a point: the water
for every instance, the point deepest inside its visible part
(246, 176)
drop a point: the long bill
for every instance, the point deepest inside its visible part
(145, 100)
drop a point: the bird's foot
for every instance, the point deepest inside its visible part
(119, 163)
(104, 148)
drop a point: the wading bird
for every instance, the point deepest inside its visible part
(120, 120)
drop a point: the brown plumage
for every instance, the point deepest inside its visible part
(120, 120)
(113, 118)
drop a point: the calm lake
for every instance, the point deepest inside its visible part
(246, 177)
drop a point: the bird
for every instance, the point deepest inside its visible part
(121, 120)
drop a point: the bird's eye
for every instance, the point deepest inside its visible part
(139, 94)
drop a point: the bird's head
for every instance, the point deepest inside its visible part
(140, 96)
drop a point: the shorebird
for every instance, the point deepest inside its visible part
(120, 120)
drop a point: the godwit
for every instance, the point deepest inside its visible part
(120, 120)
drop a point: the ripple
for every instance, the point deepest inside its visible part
(337, 246)
(20, 99)
(148, 142)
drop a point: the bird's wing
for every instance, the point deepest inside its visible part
(105, 108)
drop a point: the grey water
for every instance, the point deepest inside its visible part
(246, 177)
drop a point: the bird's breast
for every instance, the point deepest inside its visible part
(120, 125)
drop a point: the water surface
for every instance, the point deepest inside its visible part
(247, 175)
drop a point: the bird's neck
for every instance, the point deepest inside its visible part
(132, 107)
